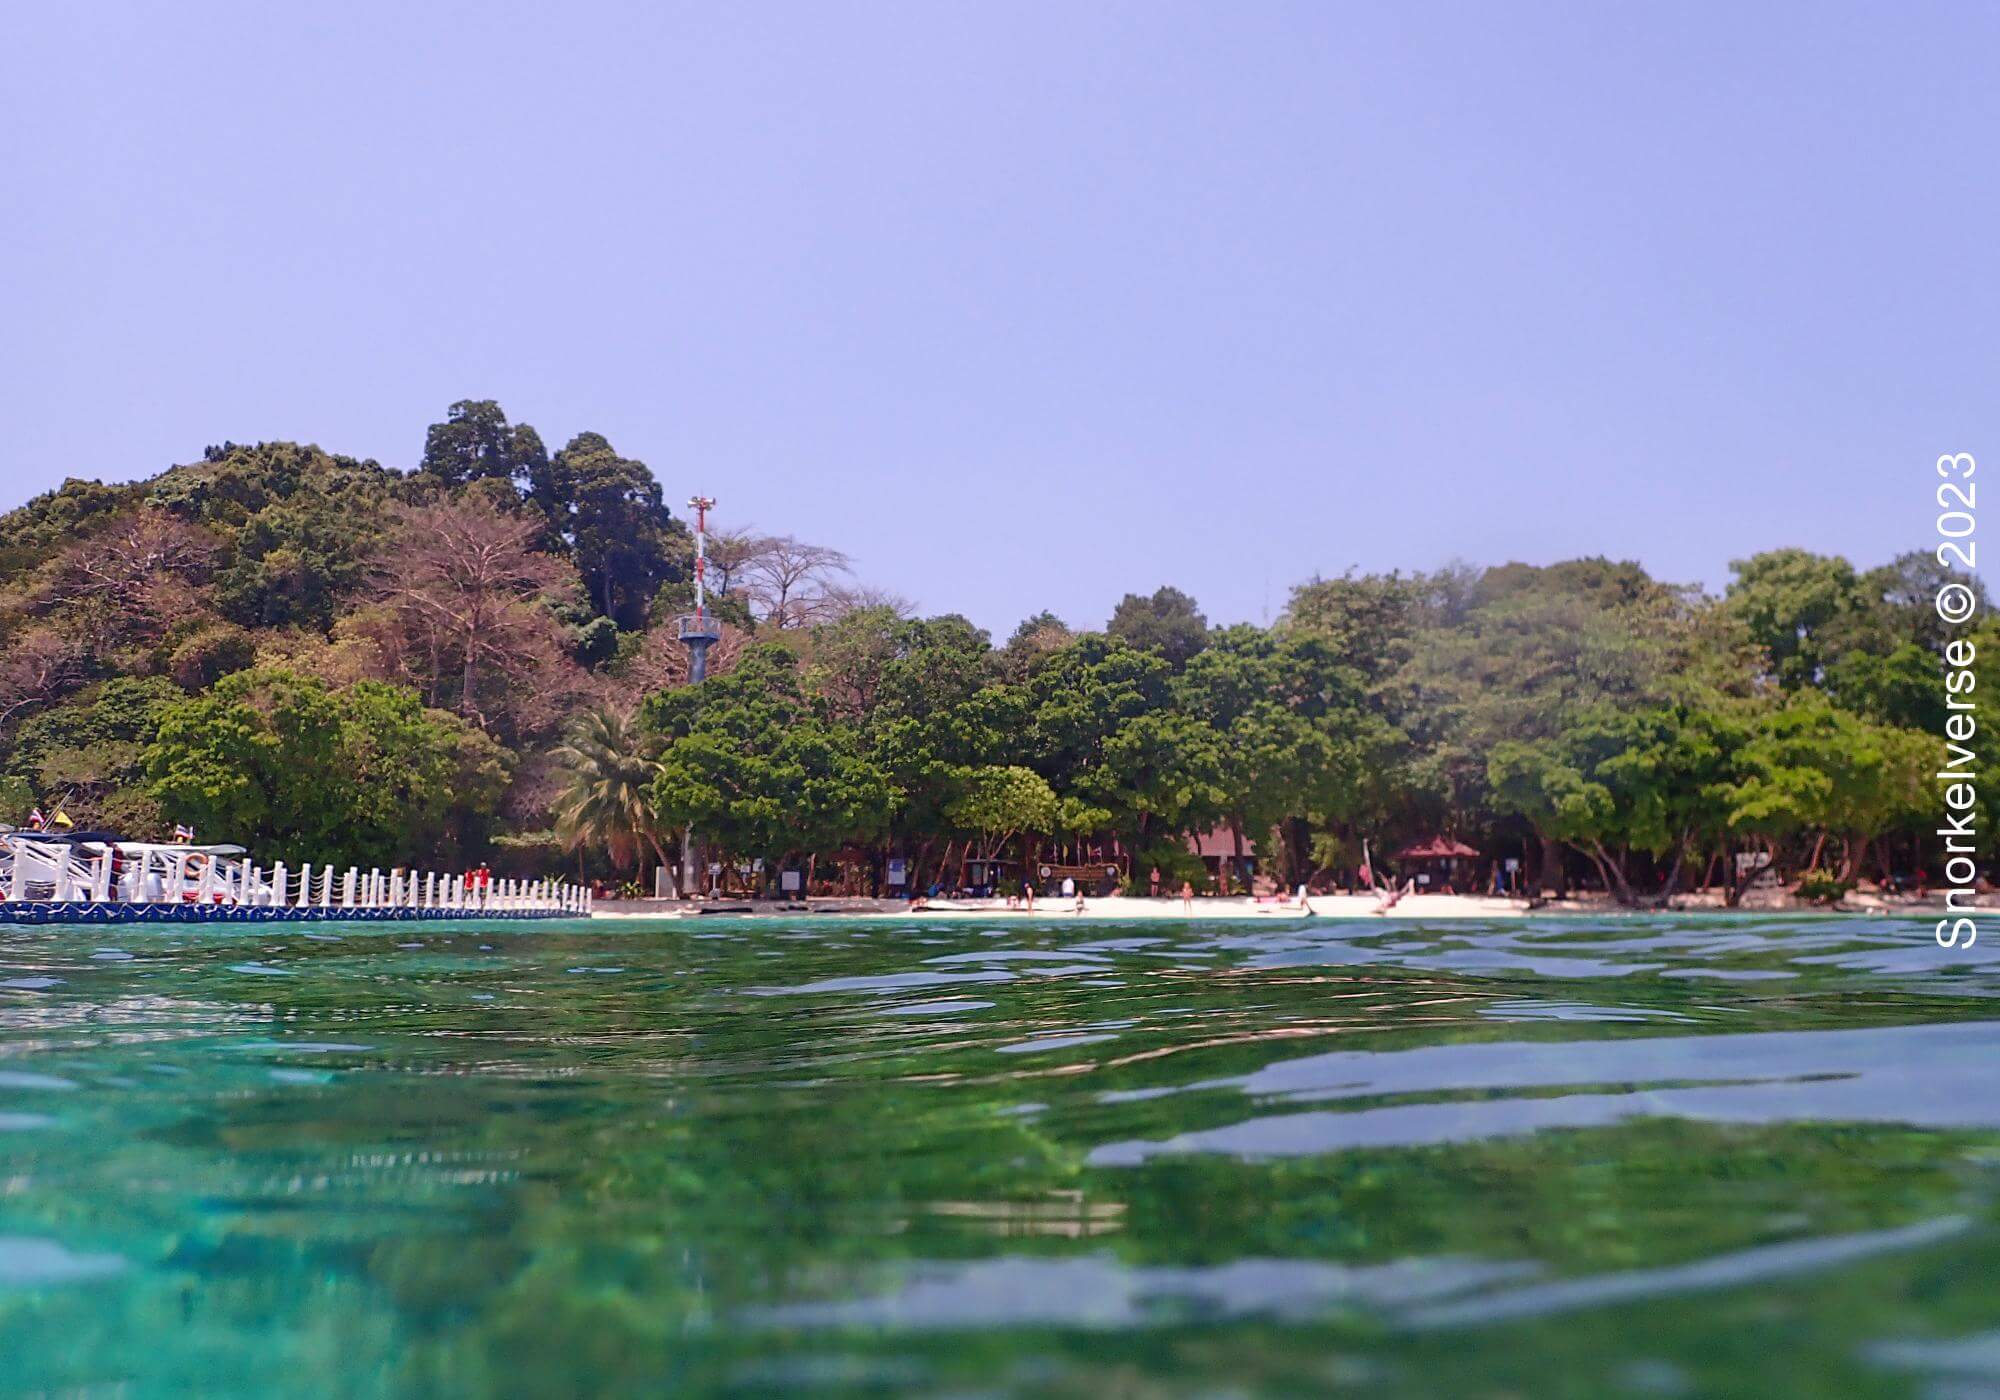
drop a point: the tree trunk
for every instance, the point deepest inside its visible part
(1741, 881)
(1673, 879)
(466, 681)
(1818, 846)
(1614, 874)
(1550, 876)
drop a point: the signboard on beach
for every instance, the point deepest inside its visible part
(898, 871)
(788, 881)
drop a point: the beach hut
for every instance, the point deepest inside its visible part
(1439, 861)
(1217, 849)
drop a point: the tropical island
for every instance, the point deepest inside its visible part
(474, 661)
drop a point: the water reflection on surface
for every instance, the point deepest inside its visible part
(1613, 1156)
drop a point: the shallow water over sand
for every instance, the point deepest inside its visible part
(1751, 1156)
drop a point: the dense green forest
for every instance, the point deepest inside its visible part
(331, 660)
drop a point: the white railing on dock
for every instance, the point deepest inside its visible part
(35, 868)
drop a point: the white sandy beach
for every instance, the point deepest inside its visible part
(1125, 909)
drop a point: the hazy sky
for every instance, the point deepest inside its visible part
(1029, 305)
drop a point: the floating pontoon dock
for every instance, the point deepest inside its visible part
(96, 878)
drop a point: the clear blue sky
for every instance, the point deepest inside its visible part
(1029, 305)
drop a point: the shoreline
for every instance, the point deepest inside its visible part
(1130, 909)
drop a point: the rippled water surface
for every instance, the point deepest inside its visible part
(1731, 1156)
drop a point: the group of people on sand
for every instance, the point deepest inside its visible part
(1025, 900)
(1187, 889)
(1388, 896)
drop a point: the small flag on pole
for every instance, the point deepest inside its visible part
(38, 820)
(183, 834)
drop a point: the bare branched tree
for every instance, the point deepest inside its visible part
(730, 554)
(465, 593)
(865, 597)
(130, 582)
(37, 668)
(792, 581)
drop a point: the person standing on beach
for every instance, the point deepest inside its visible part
(1153, 882)
(1187, 897)
(1028, 895)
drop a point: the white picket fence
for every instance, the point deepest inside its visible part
(42, 871)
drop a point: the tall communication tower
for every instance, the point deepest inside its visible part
(698, 630)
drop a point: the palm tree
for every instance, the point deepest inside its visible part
(607, 764)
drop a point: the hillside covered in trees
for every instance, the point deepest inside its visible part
(328, 659)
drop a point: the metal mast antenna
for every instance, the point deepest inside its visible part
(698, 632)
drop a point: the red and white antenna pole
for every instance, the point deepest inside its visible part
(701, 505)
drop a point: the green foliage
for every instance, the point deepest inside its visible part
(1810, 766)
(752, 765)
(17, 799)
(297, 524)
(364, 775)
(1823, 887)
(995, 802)
(1800, 607)
(30, 534)
(202, 653)
(477, 443)
(1168, 622)
(610, 513)
(607, 767)
(1035, 639)
(89, 752)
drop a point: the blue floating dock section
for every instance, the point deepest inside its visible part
(116, 912)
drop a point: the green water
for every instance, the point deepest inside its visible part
(1647, 1157)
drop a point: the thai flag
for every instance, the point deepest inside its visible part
(38, 819)
(183, 833)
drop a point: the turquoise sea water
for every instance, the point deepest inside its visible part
(1725, 1156)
